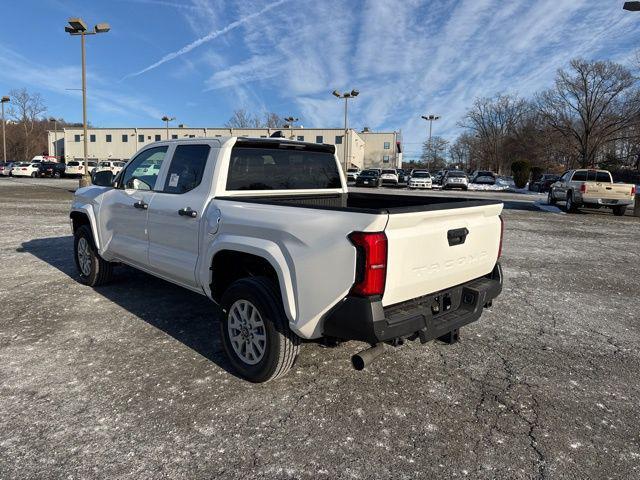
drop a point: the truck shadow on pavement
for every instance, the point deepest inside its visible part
(190, 318)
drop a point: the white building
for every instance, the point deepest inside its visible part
(365, 149)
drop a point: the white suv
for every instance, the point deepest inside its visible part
(455, 179)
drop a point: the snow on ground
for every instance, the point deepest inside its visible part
(543, 205)
(488, 188)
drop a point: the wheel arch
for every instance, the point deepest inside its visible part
(84, 216)
(230, 258)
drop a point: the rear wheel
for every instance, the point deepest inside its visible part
(571, 206)
(92, 268)
(255, 331)
(34, 174)
(619, 211)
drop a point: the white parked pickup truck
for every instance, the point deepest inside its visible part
(267, 229)
(591, 189)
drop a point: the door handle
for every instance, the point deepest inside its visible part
(141, 205)
(187, 212)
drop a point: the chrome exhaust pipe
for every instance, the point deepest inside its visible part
(366, 357)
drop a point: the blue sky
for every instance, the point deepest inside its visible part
(198, 60)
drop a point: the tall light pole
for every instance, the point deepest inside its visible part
(291, 121)
(77, 26)
(168, 119)
(631, 6)
(346, 96)
(430, 119)
(55, 136)
(4, 100)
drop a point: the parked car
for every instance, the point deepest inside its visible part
(44, 158)
(5, 168)
(437, 178)
(483, 177)
(420, 179)
(267, 229)
(369, 178)
(543, 183)
(352, 174)
(403, 175)
(26, 169)
(75, 167)
(111, 165)
(389, 176)
(50, 169)
(591, 189)
(455, 179)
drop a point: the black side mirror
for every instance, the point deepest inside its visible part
(103, 178)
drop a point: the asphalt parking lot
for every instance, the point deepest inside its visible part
(129, 381)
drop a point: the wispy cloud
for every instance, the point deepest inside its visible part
(207, 38)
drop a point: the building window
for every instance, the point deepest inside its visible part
(141, 138)
(108, 138)
(338, 139)
(319, 139)
(92, 138)
(174, 136)
(192, 136)
(76, 138)
(125, 138)
(385, 159)
(301, 138)
(157, 138)
(387, 145)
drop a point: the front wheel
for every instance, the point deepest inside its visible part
(551, 200)
(92, 268)
(255, 331)
(34, 174)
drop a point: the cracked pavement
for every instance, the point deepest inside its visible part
(129, 380)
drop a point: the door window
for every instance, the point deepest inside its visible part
(142, 172)
(186, 168)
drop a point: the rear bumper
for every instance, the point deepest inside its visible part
(427, 317)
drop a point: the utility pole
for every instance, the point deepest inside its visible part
(346, 96)
(430, 119)
(291, 122)
(55, 137)
(77, 26)
(168, 119)
(4, 100)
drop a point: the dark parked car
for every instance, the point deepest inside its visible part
(543, 183)
(369, 178)
(483, 177)
(51, 169)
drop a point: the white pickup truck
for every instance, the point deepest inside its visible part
(591, 189)
(267, 229)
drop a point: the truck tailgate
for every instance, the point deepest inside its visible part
(609, 191)
(426, 253)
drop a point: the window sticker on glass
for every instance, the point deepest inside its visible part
(173, 181)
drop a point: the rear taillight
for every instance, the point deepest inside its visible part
(633, 190)
(371, 263)
(501, 235)
(583, 188)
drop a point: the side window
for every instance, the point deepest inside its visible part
(579, 176)
(142, 171)
(564, 177)
(186, 168)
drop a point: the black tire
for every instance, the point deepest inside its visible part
(571, 206)
(100, 270)
(281, 346)
(550, 198)
(57, 175)
(34, 174)
(619, 211)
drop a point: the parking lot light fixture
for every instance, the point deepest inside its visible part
(291, 123)
(346, 96)
(631, 6)
(430, 118)
(77, 26)
(168, 119)
(4, 100)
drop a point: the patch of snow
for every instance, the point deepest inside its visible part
(488, 188)
(544, 206)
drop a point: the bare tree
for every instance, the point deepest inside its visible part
(590, 105)
(493, 120)
(434, 154)
(243, 119)
(26, 110)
